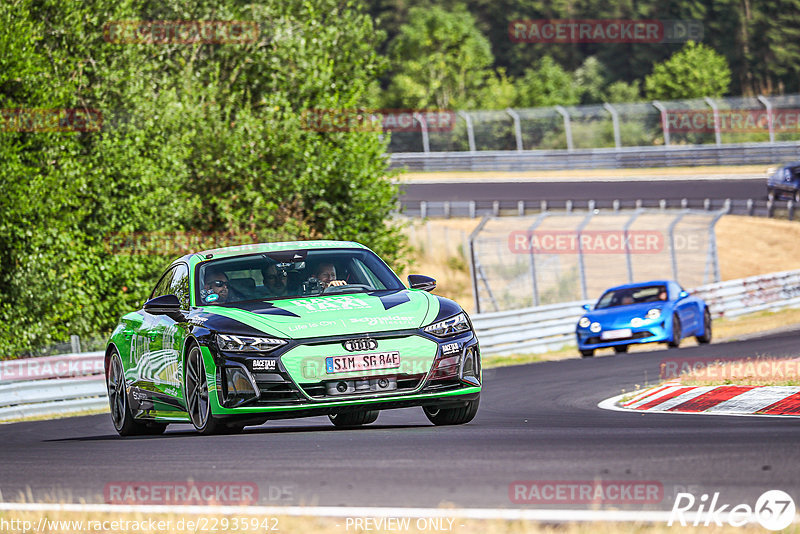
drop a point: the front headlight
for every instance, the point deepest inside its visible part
(584, 322)
(236, 343)
(450, 326)
(655, 313)
(595, 327)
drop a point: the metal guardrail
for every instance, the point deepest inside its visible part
(598, 158)
(543, 328)
(535, 329)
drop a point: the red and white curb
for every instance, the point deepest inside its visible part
(672, 397)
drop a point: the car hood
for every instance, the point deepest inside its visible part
(300, 318)
(629, 311)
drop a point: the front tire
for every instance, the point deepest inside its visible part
(706, 337)
(121, 415)
(452, 416)
(197, 398)
(620, 349)
(354, 418)
(675, 342)
(587, 353)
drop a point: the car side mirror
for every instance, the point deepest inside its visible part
(587, 307)
(168, 305)
(418, 281)
(683, 295)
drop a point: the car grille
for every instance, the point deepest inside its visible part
(405, 383)
(276, 389)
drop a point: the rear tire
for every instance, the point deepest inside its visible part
(452, 416)
(587, 353)
(354, 418)
(707, 332)
(675, 342)
(620, 349)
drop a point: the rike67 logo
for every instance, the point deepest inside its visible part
(774, 510)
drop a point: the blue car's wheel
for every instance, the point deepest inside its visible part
(619, 349)
(706, 337)
(675, 342)
(587, 353)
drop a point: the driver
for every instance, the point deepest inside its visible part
(276, 281)
(216, 287)
(326, 273)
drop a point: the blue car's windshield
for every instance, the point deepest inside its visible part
(632, 295)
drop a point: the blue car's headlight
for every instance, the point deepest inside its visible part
(236, 343)
(655, 313)
(450, 326)
(595, 327)
(584, 322)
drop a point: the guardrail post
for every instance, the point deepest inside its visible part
(567, 126)
(591, 205)
(717, 129)
(707, 204)
(770, 208)
(517, 128)
(543, 205)
(521, 208)
(423, 128)
(750, 206)
(662, 204)
(638, 204)
(685, 203)
(770, 117)
(446, 210)
(615, 205)
(423, 209)
(615, 123)
(470, 130)
(568, 206)
(727, 205)
(496, 208)
(664, 122)
(472, 209)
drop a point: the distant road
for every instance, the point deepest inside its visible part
(454, 190)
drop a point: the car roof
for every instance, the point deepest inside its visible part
(640, 284)
(255, 248)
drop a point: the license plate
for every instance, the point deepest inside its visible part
(616, 334)
(362, 362)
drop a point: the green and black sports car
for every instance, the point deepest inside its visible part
(236, 336)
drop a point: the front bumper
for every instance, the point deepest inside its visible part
(651, 332)
(294, 381)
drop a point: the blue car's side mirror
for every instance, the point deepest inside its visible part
(587, 307)
(683, 295)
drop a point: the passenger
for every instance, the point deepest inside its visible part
(216, 283)
(276, 281)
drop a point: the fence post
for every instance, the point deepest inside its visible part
(472, 209)
(75, 342)
(567, 126)
(628, 260)
(423, 127)
(521, 208)
(770, 123)
(534, 282)
(664, 122)
(581, 263)
(517, 128)
(615, 123)
(671, 232)
(717, 130)
(470, 130)
(473, 271)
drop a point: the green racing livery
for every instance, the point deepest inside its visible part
(240, 335)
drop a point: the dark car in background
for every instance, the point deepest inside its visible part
(784, 181)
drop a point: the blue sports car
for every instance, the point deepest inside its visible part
(659, 311)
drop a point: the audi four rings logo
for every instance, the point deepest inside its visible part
(354, 345)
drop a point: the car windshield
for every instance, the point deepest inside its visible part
(291, 274)
(632, 295)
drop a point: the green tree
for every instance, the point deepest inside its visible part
(440, 59)
(547, 84)
(693, 72)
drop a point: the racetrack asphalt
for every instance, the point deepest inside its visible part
(536, 422)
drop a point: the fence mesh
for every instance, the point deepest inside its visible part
(560, 257)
